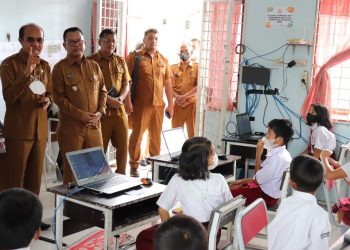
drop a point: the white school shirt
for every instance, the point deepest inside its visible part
(198, 197)
(300, 223)
(322, 138)
(270, 175)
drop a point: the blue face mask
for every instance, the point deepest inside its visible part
(185, 56)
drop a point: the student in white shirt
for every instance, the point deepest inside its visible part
(300, 222)
(198, 190)
(20, 218)
(268, 174)
(320, 124)
(341, 171)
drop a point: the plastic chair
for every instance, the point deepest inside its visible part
(250, 221)
(222, 216)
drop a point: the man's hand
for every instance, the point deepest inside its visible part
(45, 102)
(129, 108)
(91, 119)
(113, 103)
(170, 110)
(33, 60)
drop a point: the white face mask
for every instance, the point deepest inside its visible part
(215, 162)
(269, 144)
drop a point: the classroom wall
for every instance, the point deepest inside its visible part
(262, 40)
(53, 15)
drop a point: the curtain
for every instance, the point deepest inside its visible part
(218, 34)
(333, 48)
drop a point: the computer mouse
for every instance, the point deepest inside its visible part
(222, 157)
(146, 181)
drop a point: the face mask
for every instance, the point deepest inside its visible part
(310, 118)
(214, 163)
(269, 144)
(184, 56)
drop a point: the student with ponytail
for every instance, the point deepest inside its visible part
(198, 190)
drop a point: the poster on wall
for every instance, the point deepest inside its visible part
(279, 17)
(52, 52)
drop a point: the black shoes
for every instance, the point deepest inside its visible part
(44, 226)
(144, 162)
(134, 172)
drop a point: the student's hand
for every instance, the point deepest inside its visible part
(326, 153)
(259, 148)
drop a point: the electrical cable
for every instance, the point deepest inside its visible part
(53, 222)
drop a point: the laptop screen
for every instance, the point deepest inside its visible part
(243, 124)
(89, 163)
(174, 139)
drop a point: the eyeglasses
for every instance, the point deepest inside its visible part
(30, 39)
(73, 43)
(105, 40)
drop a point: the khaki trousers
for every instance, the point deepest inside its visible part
(115, 129)
(184, 115)
(22, 164)
(143, 118)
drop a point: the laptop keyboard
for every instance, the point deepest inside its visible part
(117, 180)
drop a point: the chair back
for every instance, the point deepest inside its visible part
(250, 221)
(285, 184)
(223, 215)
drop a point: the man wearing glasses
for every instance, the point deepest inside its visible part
(26, 88)
(80, 93)
(116, 76)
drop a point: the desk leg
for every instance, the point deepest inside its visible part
(59, 221)
(108, 229)
(155, 169)
(235, 170)
(246, 167)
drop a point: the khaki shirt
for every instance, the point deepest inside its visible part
(115, 73)
(78, 88)
(24, 118)
(184, 81)
(151, 76)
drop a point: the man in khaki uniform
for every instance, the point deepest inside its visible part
(80, 93)
(25, 124)
(185, 75)
(147, 109)
(116, 75)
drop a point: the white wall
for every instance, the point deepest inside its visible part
(262, 40)
(53, 15)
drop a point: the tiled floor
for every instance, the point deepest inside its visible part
(48, 202)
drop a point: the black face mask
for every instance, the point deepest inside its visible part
(310, 118)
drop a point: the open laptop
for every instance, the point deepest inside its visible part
(174, 139)
(92, 171)
(244, 129)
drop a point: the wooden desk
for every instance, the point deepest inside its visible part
(246, 149)
(163, 169)
(115, 214)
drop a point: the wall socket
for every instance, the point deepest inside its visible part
(300, 62)
(304, 79)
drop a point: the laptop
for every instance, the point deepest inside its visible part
(92, 171)
(244, 129)
(174, 139)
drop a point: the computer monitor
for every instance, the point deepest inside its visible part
(256, 75)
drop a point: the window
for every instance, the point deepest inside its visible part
(333, 37)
